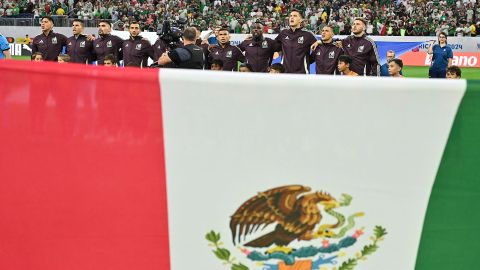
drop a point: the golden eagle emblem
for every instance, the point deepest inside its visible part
(293, 208)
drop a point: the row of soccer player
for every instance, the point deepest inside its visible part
(299, 48)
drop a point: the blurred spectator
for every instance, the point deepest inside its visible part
(387, 17)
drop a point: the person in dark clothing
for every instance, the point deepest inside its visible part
(106, 43)
(384, 67)
(442, 56)
(229, 54)
(49, 44)
(259, 50)
(79, 47)
(361, 49)
(326, 54)
(295, 44)
(190, 56)
(136, 50)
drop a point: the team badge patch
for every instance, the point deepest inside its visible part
(138, 47)
(82, 44)
(300, 40)
(54, 40)
(229, 54)
(109, 44)
(361, 48)
(331, 55)
(264, 45)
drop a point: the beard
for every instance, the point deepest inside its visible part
(257, 38)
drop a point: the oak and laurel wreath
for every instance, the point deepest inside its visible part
(225, 255)
(378, 235)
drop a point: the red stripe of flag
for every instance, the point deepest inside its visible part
(82, 168)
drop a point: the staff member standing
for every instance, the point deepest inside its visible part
(79, 47)
(106, 43)
(442, 57)
(229, 54)
(49, 44)
(296, 44)
(326, 54)
(259, 50)
(136, 50)
(190, 56)
(4, 48)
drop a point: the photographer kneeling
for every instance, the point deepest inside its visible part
(189, 56)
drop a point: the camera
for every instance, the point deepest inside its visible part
(171, 32)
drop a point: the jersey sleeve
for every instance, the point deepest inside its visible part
(4, 44)
(450, 53)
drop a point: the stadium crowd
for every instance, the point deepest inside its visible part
(354, 55)
(385, 17)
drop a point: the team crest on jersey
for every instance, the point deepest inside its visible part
(300, 40)
(331, 55)
(138, 47)
(361, 48)
(109, 44)
(264, 45)
(54, 40)
(82, 44)
(229, 54)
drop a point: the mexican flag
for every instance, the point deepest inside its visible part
(102, 168)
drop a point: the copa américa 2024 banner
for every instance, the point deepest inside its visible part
(105, 168)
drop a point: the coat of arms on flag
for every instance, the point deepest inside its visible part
(309, 231)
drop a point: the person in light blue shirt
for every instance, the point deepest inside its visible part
(442, 57)
(384, 67)
(4, 48)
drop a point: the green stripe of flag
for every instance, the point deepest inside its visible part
(451, 231)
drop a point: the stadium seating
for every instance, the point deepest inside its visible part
(387, 17)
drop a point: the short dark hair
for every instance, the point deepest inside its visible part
(105, 21)
(190, 34)
(363, 20)
(135, 22)
(298, 11)
(217, 62)
(48, 18)
(34, 55)
(110, 57)
(223, 28)
(455, 70)
(397, 61)
(79, 21)
(345, 59)
(278, 67)
(247, 65)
